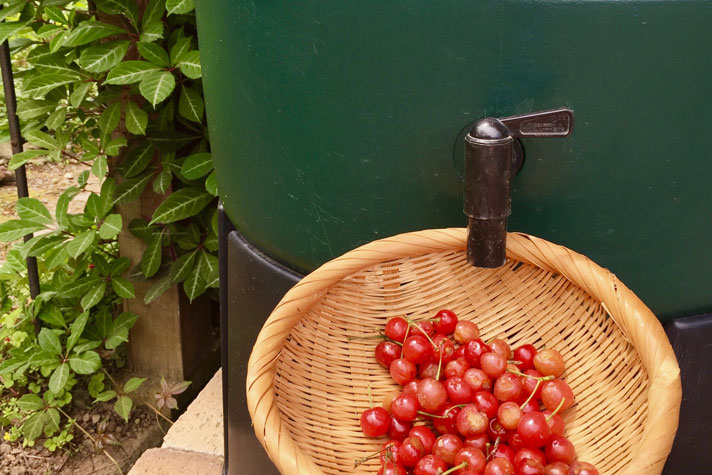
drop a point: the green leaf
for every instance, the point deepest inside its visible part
(181, 267)
(123, 407)
(80, 91)
(54, 13)
(85, 363)
(40, 139)
(52, 418)
(78, 287)
(111, 226)
(132, 188)
(196, 165)
(56, 258)
(56, 119)
(44, 358)
(119, 265)
(133, 384)
(32, 427)
(21, 158)
(157, 86)
(180, 49)
(13, 8)
(190, 105)
(59, 378)
(108, 188)
(11, 365)
(195, 284)
(100, 166)
(127, 8)
(8, 29)
(114, 146)
(162, 182)
(106, 396)
(153, 12)
(151, 259)
(60, 213)
(124, 320)
(57, 41)
(153, 53)
(211, 185)
(157, 289)
(17, 228)
(49, 341)
(94, 296)
(52, 315)
(31, 109)
(209, 268)
(181, 204)
(41, 84)
(117, 336)
(30, 402)
(100, 58)
(123, 287)
(81, 243)
(32, 209)
(152, 32)
(109, 119)
(129, 72)
(137, 160)
(90, 31)
(136, 119)
(179, 7)
(190, 65)
(53, 63)
(77, 327)
(45, 243)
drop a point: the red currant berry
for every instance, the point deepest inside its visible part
(549, 363)
(445, 321)
(499, 466)
(398, 429)
(530, 467)
(428, 370)
(425, 435)
(430, 465)
(465, 331)
(456, 367)
(405, 407)
(533, 429)
(447, 424)
(471, 421)
(426, 327)
(403, 371)
(411, 451)
(474, 457)
(474, 349)
(582, 468)
(525, 355)
(432, 395)
(396, 329)
(493, 364)
(391, 468)
(446, 447)
(509, 414)
(504, 451)
(417, 349)
(477, 380)
(529, 384)
(496, 431)
(478, 441)
(502, 347)
(486, 403)
(458, 390)
(389, 451)
(411, 387)
(529, 453)
(556, 468)
(553, 392)
(387, 352)
(508, 387)
(444, 346)
(560, 449)
(375, 422)
(555, 421)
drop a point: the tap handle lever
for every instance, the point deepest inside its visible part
(551, 123)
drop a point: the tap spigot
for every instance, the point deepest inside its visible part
(492, 158)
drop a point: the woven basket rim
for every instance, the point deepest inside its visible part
(631, 315)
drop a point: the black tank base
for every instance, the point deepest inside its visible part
(251, 285)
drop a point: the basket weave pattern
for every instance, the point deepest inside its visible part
(307, 379)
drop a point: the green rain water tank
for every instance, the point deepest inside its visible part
(336, 123)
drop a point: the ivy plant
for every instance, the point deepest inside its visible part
(115, 85)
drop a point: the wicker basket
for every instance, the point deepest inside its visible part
(306, 380)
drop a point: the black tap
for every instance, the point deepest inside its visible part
(492, 157)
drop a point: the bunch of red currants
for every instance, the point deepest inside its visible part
(496, 411)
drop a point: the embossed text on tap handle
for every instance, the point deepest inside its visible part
(551, 123)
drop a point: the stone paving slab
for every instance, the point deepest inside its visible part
(177, 462)
(200, 427)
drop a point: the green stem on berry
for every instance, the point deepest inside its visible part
(412, 324)
(494, 449)
(444, 414)
(440, 362)
(365, 459)
(538, 382)
(455, 468)
(514, 362)
(548, 418)
(539, 378)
